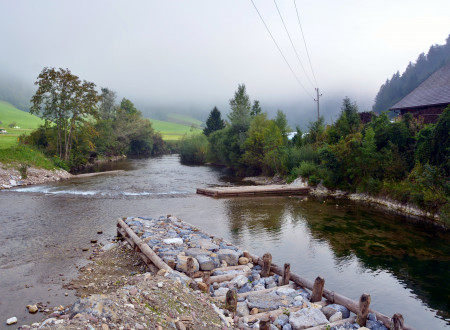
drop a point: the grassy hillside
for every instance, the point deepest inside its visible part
(10, 114)
(172, 131)
(184, 120)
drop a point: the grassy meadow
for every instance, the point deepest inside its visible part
(171, 131)
(10, 114)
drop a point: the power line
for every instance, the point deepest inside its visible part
(290, 39)
(304, 41)
(284, 57)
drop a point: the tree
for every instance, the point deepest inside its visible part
(214, 122)
(240, 110)
(63, 99)
(256, 108)
(107, 109)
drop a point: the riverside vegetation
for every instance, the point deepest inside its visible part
(404, 160)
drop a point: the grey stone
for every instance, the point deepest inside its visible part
(282, 320)
(195, 252)
(335, 317)
(207, 244)
(375, 325)
(333, 308)
(242, 309)
(267, 302)
(231, 257)
(182, 264)
(286, 292)
(372, 317)
(258, 287)
(239, 281)
(205, 262)
(307, 318)
(287, 327)
(220, 292)
(246, 288)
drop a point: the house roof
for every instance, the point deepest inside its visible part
(433, 91)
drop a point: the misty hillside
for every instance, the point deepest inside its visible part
(394, 89)
(15, 91)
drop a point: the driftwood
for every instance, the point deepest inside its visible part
(253, 190)
(143, 247)
(254, 293)
(226, 277)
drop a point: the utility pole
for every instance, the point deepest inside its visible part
(317, 100)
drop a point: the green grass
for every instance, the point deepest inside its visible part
(9, 114)
(184, 120)
(172, 131)
(24, 155)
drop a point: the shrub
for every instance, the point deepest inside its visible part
(193, 149)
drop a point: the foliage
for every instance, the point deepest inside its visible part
(193, 149)
(347, 123)
(20, 155)
(64, 100)
(256, 108)
(394, 89)
(240, 110)
(108, 107)
(214, 122)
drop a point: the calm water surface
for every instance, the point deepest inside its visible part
(405, 266)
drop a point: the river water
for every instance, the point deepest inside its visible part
(405, 266)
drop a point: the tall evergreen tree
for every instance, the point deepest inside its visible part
(240, 110)
(214, 122)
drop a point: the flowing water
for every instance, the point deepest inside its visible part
(405, 266)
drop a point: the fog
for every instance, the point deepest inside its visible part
(189, 56)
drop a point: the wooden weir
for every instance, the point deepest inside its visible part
(290, 280)
(253, 190)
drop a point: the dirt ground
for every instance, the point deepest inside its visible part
(116, 292)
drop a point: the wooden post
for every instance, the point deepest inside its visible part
(363, 309)
(286, 274)
(317, 290)
(264, 325)
(397, 322)
(267, 262)
(190, 266)
(205, 277)
(231, 300)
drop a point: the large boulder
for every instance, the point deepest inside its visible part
(182, 264)
(333, 309)
(307, 318)
(205, 262)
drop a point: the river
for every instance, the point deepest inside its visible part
(404, 265)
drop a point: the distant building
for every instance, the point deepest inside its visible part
(429, 99)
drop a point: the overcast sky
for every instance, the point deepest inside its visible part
(191, 55)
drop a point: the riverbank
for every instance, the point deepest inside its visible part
(384, 203)
(11, 177)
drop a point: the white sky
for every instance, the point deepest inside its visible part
(192, 54)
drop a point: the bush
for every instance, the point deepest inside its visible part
(193, 149)
(306, 169)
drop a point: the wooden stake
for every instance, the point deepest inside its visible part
(231, 300)
(286, 274)
(190, 267)
(317, 291)
(397, 322)
(205, 277)
(363, 309)
(267, 262)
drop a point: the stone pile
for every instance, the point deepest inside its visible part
(174, 241)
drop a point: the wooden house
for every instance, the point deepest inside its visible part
(429, 99)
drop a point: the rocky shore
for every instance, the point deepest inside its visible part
(11, 177)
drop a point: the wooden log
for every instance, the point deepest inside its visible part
(205, 277)
(190, 267)
(254, 293)
(250, 257)
(397, 322)
(240, 267)
(270, 314)
(231, 300)
(332, 296)
(226, 277)
(350, 320)
(286, 274)
(267, 261)
(317, 290)
(363, 309)
(156, 260)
